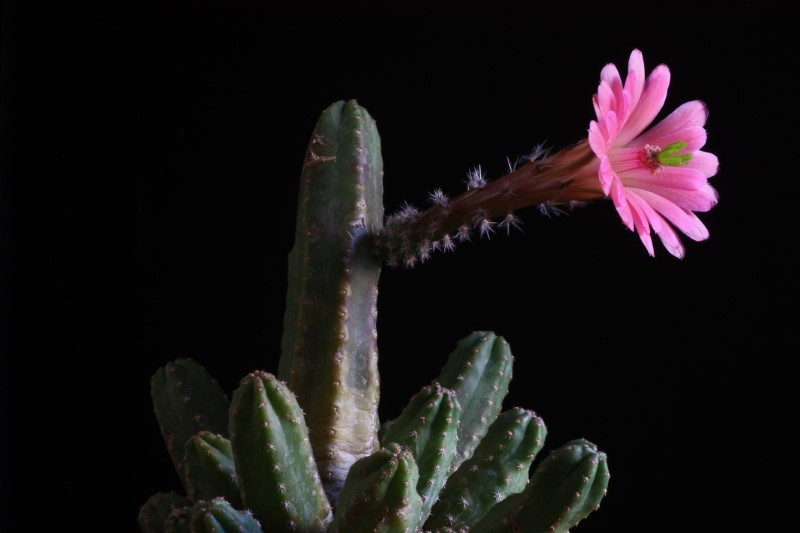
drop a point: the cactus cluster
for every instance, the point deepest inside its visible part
(305, 451)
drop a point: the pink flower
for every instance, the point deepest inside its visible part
(656, 179)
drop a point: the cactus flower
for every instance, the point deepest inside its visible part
(657, 178)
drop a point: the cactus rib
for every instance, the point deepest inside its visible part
(498, 468)
(428, 427)
(273, 458)
(379, 494)
(210, 470)
(219, 516)
(479, 372)
(564, 489)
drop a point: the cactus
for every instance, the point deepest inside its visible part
(428, 427)
(180, 521)
(380, 494)
(219, 516)
(329, 352)
(210, 470)
(479, 372)
(566, 487)
(187, 401)
(498, 469)
(277, 473)
(317, 461)
(158, 508)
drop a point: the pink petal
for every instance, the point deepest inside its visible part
(689, 115)
(597, 140)
(697, 200)
(606, 100)
(664, 231)
(642, 227)
(653, 218)
(681, 218)
(651, 102)
(610, 75)
(635, 82)
(705, 163)
(671, 241)
(606, 175)
(611, 126)
(675, 177)
(621, 203)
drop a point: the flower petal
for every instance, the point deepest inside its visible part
(675, 177)
(668, 237)
(681, 218)
(606, 175)
(671, 241)
(705, 163)
(610, 75)
(648, 106)
(606, 101)
(642, 227)
(690, 114)
(597, 140)
(618, 196)
(634, 84)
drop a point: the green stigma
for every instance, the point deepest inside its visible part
(669, 155)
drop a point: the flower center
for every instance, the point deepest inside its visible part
(654, 157)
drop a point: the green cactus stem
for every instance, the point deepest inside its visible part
(187, 401)
(428, 426)
(498, 468)
(329, 348)
(219, 516)
(277, 473)
(479, 372)
(379, 494)
(157, 509)
(210, 470)
(564, 489)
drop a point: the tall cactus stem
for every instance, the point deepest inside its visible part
(329, 354)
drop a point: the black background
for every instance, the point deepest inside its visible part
(150, 170)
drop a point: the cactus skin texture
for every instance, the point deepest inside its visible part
(273, 458)
(180, 521)
(157, 509)
(187, 401)
(498, 468)
(428, 427)
(329, 353)
(210, 470)
(564, 489)
(479, 372)
(218, 516)
(379, 494)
